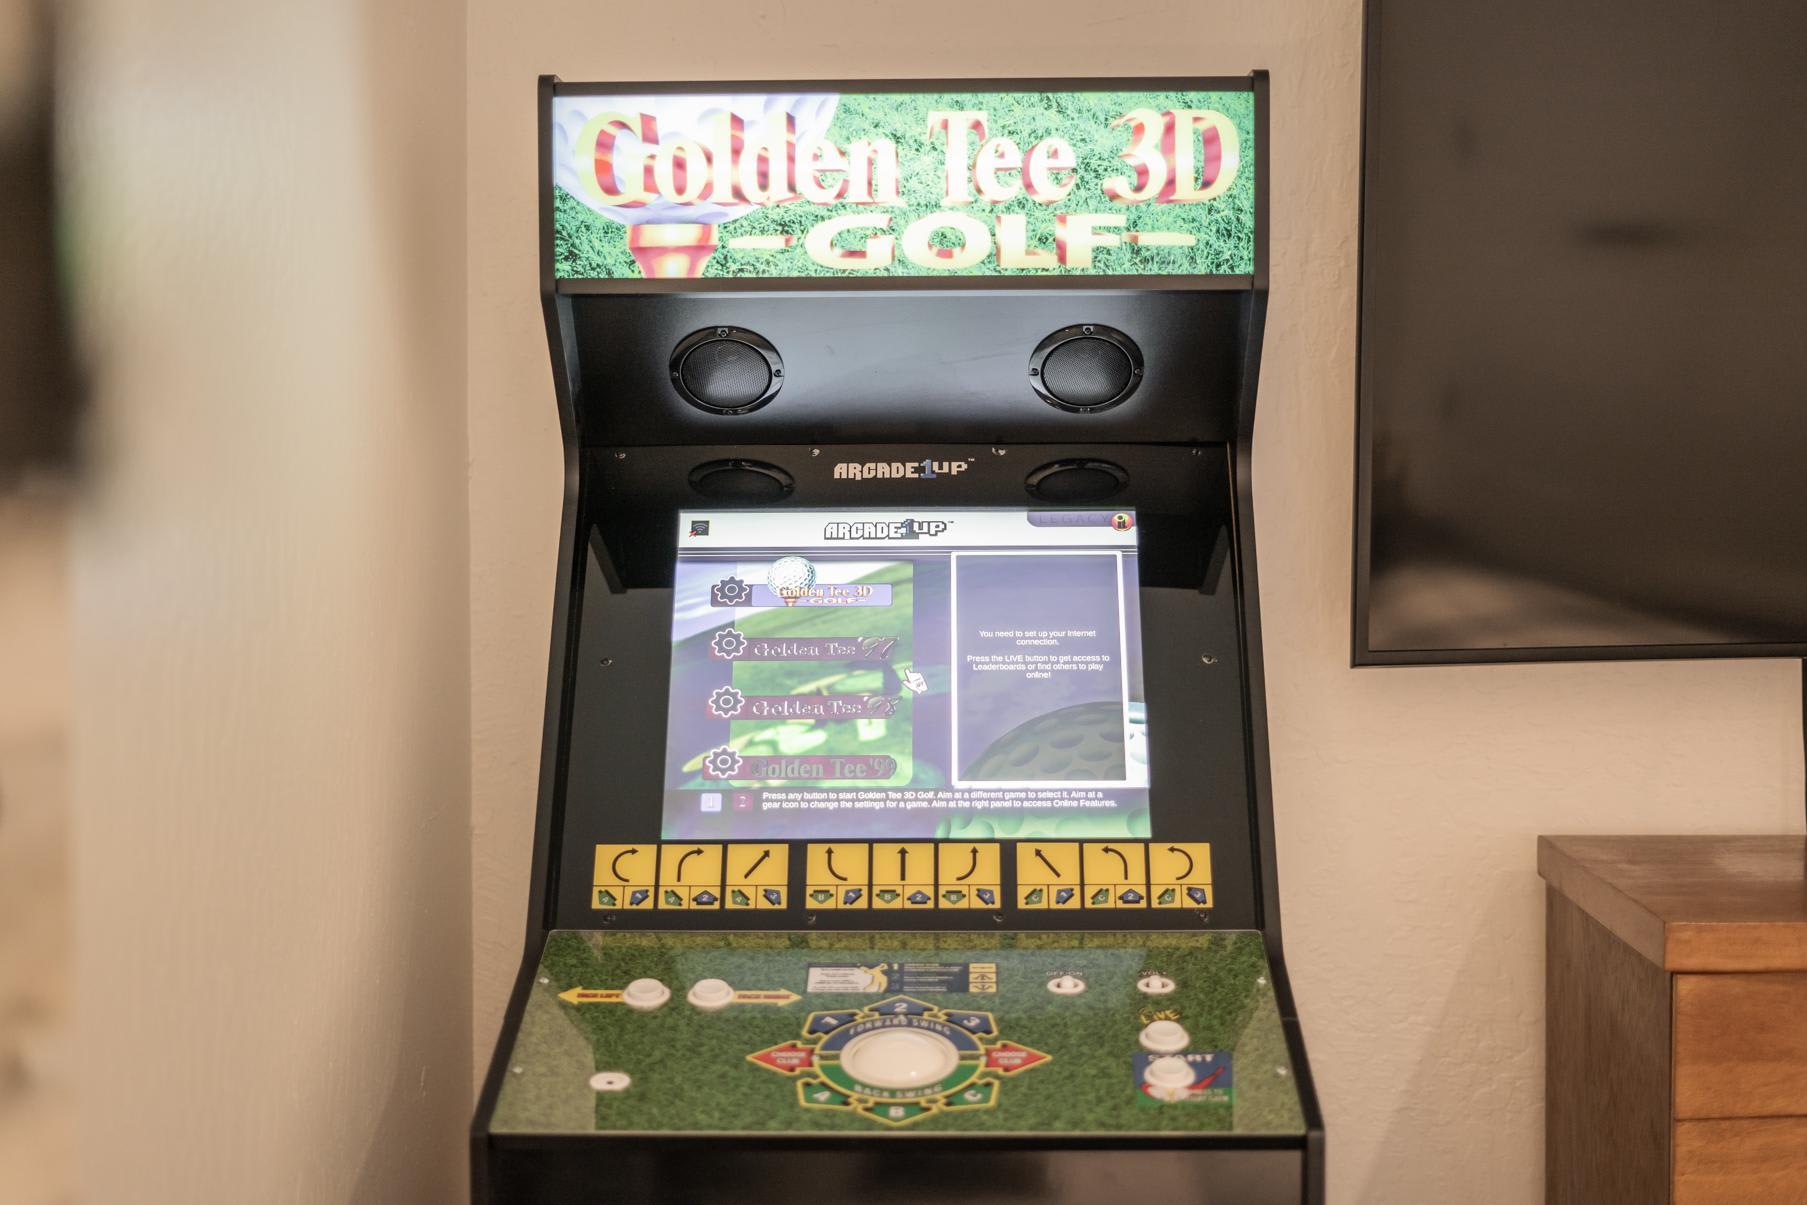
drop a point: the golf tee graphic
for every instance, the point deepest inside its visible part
(673, 168)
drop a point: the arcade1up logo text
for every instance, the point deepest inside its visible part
(903, 184)
(926, 469)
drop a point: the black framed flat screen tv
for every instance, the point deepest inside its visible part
(1582, 411)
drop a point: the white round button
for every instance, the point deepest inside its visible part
(1165, 1037)
(1155, 985)
(899, 1058)
(611, 1081)
(1066, 985)
(645, 994)
(1168, 1074)
(711, 994)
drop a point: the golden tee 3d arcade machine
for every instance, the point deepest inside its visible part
(904, 829)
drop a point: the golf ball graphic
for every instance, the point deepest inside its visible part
(790, 578)
(1137, 739)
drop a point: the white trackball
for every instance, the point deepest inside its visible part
(899, 1058)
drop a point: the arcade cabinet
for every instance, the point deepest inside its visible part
(904, 827)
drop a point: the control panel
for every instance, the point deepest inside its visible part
(1098, 1032)
(902, 875)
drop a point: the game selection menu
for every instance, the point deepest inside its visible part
(933, 673)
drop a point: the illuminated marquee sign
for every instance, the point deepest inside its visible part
(903, 184)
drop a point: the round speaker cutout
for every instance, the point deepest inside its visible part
(726, 370)
(748, 482)
(1076, 481)
(1085, 368)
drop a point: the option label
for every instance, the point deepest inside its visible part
(903, 875)
(690, 876)
(1116, 874)
(968, 875)
(837, 875)
(1179, 874)
(1047, 874)
(757, 876)
(624, 876)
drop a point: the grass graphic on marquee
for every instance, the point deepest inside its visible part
(587, 245)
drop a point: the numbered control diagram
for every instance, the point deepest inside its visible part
(899, 1060)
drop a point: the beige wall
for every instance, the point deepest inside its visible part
(37, 1129)
(1407, 800)
(271, 613)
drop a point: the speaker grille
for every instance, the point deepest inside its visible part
(1085, 368)
(726, 370)
(1086, 372)
(725, 374)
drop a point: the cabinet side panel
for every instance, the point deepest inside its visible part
(1606, 1066)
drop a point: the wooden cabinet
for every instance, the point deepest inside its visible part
(1675, 1020)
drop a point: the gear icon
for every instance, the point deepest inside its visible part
(730, 592)
(726, 702)
(728, 643)
(721, 762)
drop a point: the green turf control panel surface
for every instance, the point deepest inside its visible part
(785, 1033)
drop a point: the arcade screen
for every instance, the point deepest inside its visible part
(928, 673)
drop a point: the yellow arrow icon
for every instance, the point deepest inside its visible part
(747, 996)
(591, 995)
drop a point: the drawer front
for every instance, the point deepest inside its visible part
(1740, 1046)
(1741, 1162)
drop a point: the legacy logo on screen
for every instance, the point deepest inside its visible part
(903, 184)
